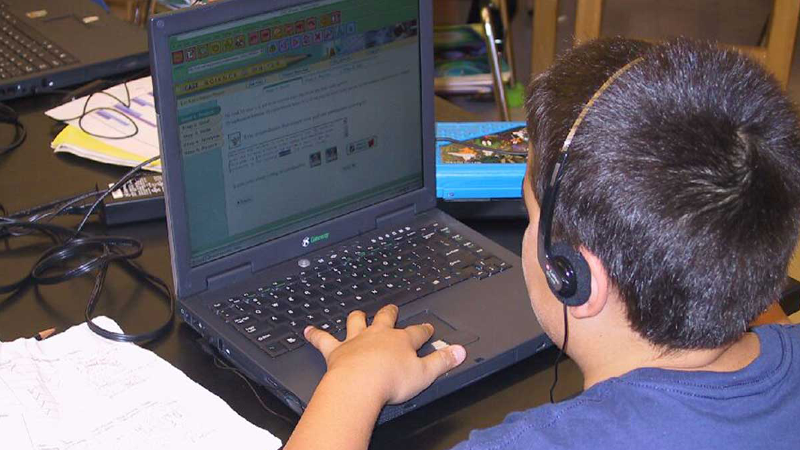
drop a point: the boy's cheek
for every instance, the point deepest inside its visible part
(543, 302)
(530, 266)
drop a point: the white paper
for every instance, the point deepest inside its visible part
(79, 391)
(112, 122)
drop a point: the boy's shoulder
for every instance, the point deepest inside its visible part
(656, 408)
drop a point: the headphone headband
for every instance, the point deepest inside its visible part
(560, 268)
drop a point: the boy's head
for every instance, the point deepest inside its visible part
(683, 180)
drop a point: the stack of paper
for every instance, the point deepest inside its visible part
(79, 391)
(127, 129)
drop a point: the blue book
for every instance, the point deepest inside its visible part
(468, 173)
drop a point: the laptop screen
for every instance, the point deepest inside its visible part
(294, 117)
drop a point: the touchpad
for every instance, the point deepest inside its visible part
(444, 334)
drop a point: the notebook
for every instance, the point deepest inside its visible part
(47, 45)
(297, 143)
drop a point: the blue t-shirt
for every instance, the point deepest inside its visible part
(649, 409)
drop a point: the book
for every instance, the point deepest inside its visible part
(472, 173)
(461, 63)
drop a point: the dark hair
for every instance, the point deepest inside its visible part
(684, 179)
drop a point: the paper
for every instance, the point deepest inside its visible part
(79, 391)
(118, 118)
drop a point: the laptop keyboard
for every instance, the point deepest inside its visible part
(396, 267)
(24, 51)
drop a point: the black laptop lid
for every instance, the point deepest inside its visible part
(289, 126)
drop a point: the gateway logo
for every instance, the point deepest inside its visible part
(308, 240)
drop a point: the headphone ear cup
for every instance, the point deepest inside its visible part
(580, 269)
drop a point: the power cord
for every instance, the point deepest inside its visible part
(87, 252)
(9, 116)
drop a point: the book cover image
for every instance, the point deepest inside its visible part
(466, 172)
(515, 139)
(460, 59)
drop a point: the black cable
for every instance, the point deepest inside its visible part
(560, 354)
(47, 206)
(45, 212)
(220, 364)
(86, 111)
(9, 116)
(127, 103)
(465, 144)
(87, 253)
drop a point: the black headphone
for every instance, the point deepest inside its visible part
(9, 116)
(565, 269)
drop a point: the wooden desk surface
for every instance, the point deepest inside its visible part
(33, 174)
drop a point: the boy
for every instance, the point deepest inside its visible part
(682, 195)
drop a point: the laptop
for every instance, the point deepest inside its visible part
(297, 143)
(47, 45)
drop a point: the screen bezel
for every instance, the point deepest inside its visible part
(231, 268)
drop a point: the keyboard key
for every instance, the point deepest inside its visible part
(255, 328)
(226, 314)
(339, 322)
(277, 319)
(311, 307)
(400, 298)
(243, 321)
(345, 305)
(274, 348)
(298, 325)
(260, 313)
(292, 342)
(270, 335)
(294, 301)
(278, 306)
(326, 326)
(459, 258)
(313, 319)
(329, 311)
(422, 290)
(294, 313)
(358, 287)
(330, 287)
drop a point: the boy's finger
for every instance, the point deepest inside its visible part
(386, 316)
(419, 334)
(356, 323)
(443, 360)
(322, 340)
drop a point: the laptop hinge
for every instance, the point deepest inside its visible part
(399, 216)
(231, 276)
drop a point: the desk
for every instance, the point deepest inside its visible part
(32, 175)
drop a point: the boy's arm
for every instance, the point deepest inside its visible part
(375, 365)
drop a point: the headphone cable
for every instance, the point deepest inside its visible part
(560, 354)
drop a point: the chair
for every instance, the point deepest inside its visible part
(776, 55)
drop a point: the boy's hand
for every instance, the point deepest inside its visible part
(383, 358)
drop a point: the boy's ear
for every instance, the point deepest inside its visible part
(600, 286)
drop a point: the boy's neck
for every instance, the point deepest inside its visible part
(635, 353)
